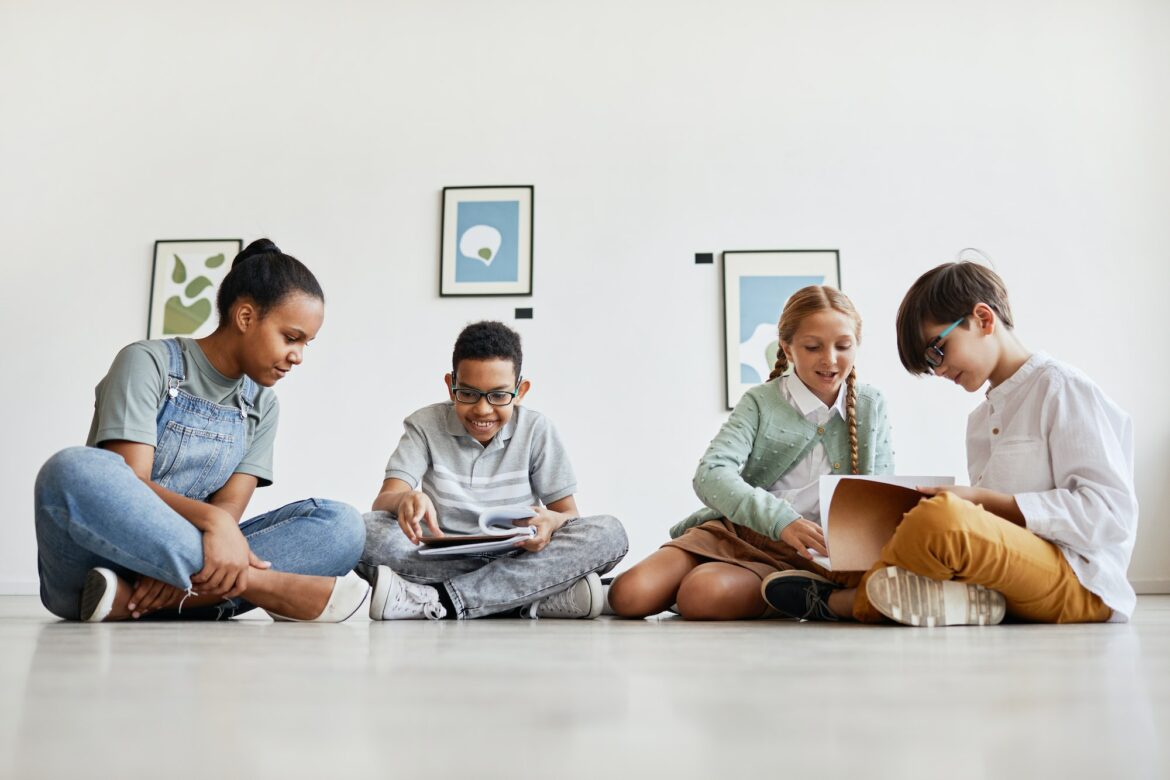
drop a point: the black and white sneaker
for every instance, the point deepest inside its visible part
(800, 595)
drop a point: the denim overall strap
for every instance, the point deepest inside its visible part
(199, 443)
(247, 395)
(175, 371)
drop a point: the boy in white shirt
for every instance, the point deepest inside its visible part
(1046, 530)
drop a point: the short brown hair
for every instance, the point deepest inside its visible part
(943, 295)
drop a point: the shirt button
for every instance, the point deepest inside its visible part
(821, 431)
(995, 431)
(836, 467)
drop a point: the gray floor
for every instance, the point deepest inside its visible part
(578, 699)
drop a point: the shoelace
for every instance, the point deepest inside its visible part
(814, 606)
(412, 595)
(562, 601)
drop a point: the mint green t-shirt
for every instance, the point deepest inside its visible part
(130, 396)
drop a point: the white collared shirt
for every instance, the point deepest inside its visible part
(1051, 438)
(800, 485)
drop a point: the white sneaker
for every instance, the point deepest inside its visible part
(606, 609)
(583, 599)
(398, 599)
(914, 600)
(348, 595)
(97, 594)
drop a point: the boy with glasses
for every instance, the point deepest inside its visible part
(1046, 530)
(483, 449)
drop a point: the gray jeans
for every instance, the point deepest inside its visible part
(481, 585)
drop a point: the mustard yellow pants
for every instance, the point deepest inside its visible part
(950, 538)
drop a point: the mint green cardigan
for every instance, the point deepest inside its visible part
(765, 437)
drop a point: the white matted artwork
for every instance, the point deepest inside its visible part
(486, 242)
(756, 285)
(187, 274)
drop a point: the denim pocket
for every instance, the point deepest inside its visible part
(192, 461)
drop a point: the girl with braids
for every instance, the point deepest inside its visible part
(145, 519)
(760, 476)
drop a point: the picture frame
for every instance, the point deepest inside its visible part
(756, 286)
(485, 246)
(185, 278)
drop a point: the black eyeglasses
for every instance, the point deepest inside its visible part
(933, 352)
(469, 395)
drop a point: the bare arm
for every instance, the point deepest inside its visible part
(140, 458)
(1000, 504)
(391, 495)
(549, 519)
(226, 554)
(235, 494)
(410, 506)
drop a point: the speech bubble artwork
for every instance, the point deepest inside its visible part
(480, 242)
(757, 355)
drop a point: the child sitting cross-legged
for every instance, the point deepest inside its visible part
(482, 448)
(759, 477)
(1046, 529)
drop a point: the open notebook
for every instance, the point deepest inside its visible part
(496, 533)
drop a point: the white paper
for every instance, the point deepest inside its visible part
(498, 520)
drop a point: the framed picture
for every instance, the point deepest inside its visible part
(756, 285)
(486, 244)
(186, 278)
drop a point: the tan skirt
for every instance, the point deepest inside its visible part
(725, 542)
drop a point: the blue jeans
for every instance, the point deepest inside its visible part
(490, 583)
(93, 510)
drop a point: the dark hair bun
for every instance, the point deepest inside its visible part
(261, 246)
(266, 283)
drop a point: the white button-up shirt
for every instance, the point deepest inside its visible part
(1051, 438)
(800, 485)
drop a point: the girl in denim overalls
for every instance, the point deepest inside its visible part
(146, 519)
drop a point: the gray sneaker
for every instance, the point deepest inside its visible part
(583, 599)
(914, 600)
(398, 599)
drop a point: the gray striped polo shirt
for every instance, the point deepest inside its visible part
(525, 463)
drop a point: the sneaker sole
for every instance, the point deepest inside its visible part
(596, 596)
(378, 596)
(97, 595)
(914, 600)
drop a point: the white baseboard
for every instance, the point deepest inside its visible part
(1151, 587)
(19, 588)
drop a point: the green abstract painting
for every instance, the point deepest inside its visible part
(187, 275)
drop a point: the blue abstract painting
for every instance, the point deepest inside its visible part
(487, 235)
(761, 299)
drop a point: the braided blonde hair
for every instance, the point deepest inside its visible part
(807, 301)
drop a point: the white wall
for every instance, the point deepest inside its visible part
(897, 132)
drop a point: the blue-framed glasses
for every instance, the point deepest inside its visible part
(469, 395)
(933, 352)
